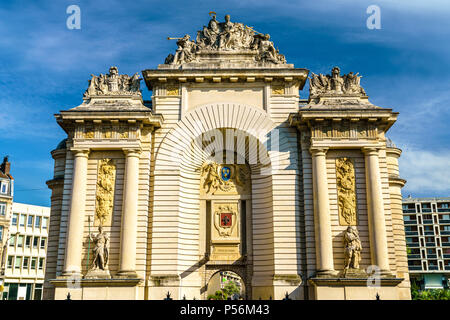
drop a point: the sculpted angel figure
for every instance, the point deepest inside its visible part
(184, 51)
(226, 36)
(209, 34)
(352, 83)
(135, 82)
(268, 51)
(353, 247)
(101, 251)
(93, 85)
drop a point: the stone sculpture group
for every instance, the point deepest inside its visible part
(226, 36)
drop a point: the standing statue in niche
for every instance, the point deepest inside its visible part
(100, 250)
(352, 251)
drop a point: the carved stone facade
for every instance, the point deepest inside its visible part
(346, 188)
(224, 170)
(335, 84)
(105, 192)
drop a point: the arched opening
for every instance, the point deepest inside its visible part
(226, 285)
(192, 163)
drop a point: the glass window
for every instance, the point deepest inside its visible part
(4, 187)
(35, 242)
(37, 222)
(2, 208)
(30, 221)
(44, 223)
(14, 219)
(42, 243)
(10, 262)
(33, 263)
(18, 262)
(25, 262)
(28, 242)
(1, 233)
(38, 292)
(20, 241)
(12, 241)
(41, 263)
(22, 220)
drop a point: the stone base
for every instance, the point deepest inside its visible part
(353, 273)
(126, 275)
(98, 274)
(354, 288)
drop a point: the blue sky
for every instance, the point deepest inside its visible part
(44, 67)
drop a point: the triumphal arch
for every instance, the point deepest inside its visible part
(226, 169)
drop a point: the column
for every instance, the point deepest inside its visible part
(377, 223)
(127, 268)
(322, 221)
(72, 265)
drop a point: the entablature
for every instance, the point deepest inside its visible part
(156, 77)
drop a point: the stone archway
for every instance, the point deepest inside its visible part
(240, 272)
(176, 194)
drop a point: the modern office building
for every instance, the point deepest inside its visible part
(427, 229)
(26, 252)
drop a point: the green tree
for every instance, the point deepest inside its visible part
(231, 288)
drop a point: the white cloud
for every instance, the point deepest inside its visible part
(425, 171)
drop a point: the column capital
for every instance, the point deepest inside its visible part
(370, 151)
(318, 151)
(80, 152)
(132, 152)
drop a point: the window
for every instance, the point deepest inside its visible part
(10, 262)
(37, 222)
(41, 263)
(28, 242)
(33, 263)
(22, 220)
(18, 263)
(4, 187)
(14, 219)
(35, 242)
(38, 292)
(42, 243)
(2, 208)
(25, 262)
(45, 223)
(12, 242)
(1, 233)
(30, 221)
(20, 241)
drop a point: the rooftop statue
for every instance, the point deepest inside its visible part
(225, 36)
(335, 84)
(113, 84)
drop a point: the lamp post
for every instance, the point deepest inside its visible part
(2, 269)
